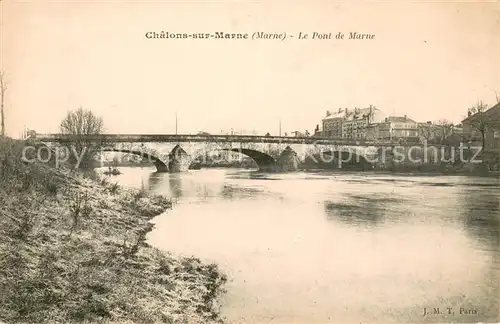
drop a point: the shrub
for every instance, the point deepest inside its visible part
(140, 194)
(51, 187)
(104, 181)
(114, 188)
(79, 207)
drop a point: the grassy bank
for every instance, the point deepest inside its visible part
(72, 249)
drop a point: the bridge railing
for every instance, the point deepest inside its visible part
(113, 138)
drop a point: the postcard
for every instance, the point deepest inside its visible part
(223, 161)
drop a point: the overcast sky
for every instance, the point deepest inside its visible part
(429, 60)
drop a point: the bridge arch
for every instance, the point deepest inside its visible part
(52, 153)
(158, 163)
(265, 162)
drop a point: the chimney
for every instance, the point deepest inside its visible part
(406, 117)
(469, 113)
(340, 110)
(328, 113)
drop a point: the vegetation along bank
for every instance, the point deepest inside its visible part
(72, 249)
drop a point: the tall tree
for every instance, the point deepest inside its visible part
(81, 124)
(3, 90)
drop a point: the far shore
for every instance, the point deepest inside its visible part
(492, 174)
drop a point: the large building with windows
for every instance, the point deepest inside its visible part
(332, 124)
(350, 123)
(394, 128)
(399, 128)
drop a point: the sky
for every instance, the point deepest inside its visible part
(429, 60)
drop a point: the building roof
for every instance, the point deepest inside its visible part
(493, 112)
(351, 113)
(334, 115)
(398, 119)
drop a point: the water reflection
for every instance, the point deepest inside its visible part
(481, 213)
(480, 210)
(252, 174)
(175, 183)
(155, 180)
(357, 209)
(234, 191)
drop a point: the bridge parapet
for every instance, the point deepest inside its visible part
(171, 138)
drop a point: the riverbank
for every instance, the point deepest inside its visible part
(410, 172)
(464, 169)
(72, 249)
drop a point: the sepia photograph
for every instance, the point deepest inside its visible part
(281, 162)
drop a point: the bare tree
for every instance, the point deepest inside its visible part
(479, 107)
(426, 131)
(3, 90)
(480, 122)
(444, 129)
(81, 124)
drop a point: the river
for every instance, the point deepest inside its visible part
(337, 247)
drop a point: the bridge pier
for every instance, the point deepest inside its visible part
(287, 161)
(178, 160)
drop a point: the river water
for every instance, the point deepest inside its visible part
(337, 247)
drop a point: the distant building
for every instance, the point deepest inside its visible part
(398, 128)
(458, 129)
(357, 121)
(373, 131)
(491, 118)
(298, 134)
(350, 123)
(318, 133)
(428, 132)
(332, 123)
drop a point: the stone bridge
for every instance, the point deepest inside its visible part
(175, 153)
